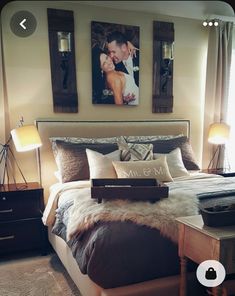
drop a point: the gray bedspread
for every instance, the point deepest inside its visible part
(114, 254)
(120, 253)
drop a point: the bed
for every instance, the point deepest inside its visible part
(160, 282)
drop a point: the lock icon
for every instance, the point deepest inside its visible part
(210, 274)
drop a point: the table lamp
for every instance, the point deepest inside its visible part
(218, 135)
(25, 138)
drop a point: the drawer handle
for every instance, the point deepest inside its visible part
(7, 237)
(6, 211)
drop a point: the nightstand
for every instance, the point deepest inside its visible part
(199, 242)
(221, 172)
(21, 227)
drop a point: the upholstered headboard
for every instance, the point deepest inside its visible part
(98, 129)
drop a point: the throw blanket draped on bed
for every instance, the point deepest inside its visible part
(86, 212)
(160, 215)
(208, 186)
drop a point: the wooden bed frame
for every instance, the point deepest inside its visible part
(47, 167)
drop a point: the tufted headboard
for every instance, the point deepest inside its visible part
(57, 128)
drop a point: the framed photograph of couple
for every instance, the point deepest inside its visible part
(115, 63)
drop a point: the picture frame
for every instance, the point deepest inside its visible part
(115, 63)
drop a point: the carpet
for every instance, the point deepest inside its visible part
(36, 276)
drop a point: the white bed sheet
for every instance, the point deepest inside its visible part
(56, 198)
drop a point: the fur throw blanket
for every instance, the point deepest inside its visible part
(160, 215)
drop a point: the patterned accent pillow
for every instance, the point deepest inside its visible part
(134, 151)
(85, 140)
(150, 138)
(80, 140)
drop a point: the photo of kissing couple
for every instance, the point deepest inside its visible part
(115, 64)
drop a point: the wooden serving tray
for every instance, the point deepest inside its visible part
(132, 189)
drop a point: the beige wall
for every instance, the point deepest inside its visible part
(29, 82)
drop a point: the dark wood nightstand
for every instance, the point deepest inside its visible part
(221, 172)
(21, 227)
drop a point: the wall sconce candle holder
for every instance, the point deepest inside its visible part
(166, 69)
(62, 59)
(163, 56)
(64, 47)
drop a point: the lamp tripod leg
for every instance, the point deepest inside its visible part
(18, 167)
(7, 167)
(218, 158)
(211, 164)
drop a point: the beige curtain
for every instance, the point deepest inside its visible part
(4, 113)
(217, 82)
(2, 123)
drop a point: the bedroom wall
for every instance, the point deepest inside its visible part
(28, 71)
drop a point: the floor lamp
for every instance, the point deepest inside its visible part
(25, 138)
(218, 135)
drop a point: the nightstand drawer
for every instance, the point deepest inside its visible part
(20, 204)
(20, 235)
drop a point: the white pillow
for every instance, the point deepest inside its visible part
(100, 165)
(157, 169)
(175, 163)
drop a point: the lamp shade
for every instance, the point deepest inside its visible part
(218, 133)
(26, 138)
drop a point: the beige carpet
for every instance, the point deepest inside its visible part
(35, 276)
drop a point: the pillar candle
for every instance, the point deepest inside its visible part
(64, 45)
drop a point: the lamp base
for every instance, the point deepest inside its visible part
(6, 164)
(216, 163)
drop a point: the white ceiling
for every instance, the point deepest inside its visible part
(189, 9)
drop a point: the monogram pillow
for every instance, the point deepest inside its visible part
(157, 169)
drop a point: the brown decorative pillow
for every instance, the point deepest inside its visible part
(71, 158)
(166, 146)
(135, 151)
